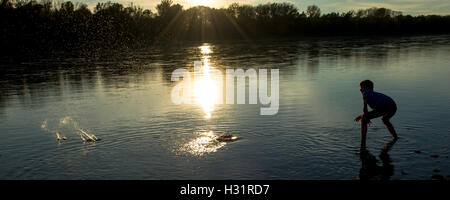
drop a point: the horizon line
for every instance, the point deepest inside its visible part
(152, 7)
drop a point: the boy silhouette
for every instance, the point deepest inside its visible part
(381, 104)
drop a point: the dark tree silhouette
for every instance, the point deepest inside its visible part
(28, 26)
(313, 11)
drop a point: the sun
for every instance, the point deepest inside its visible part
(202, 2)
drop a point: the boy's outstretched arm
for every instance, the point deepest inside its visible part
(365, 107)
(364, 111)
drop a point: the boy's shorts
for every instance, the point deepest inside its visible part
(387, 112)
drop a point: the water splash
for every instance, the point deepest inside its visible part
(59, 137)
(68, 125)
(86, 137)
(44, 126)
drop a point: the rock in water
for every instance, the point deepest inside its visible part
(227, 138)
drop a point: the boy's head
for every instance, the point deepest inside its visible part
(366, 84)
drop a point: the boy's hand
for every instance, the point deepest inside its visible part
(357, 119)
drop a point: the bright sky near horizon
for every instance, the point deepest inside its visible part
(413, 7)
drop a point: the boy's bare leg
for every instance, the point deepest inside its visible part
(390, 128)
(363, 133)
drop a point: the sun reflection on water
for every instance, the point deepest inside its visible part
(207, 87)
(206, 142)
(205, 49)
(207, 84)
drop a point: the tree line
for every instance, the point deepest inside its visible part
(28, 25)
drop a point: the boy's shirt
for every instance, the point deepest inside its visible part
(377, 100)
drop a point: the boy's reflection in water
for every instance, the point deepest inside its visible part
(370, 170)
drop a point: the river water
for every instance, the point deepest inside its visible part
(125, 100)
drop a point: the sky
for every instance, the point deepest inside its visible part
(412, 7)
